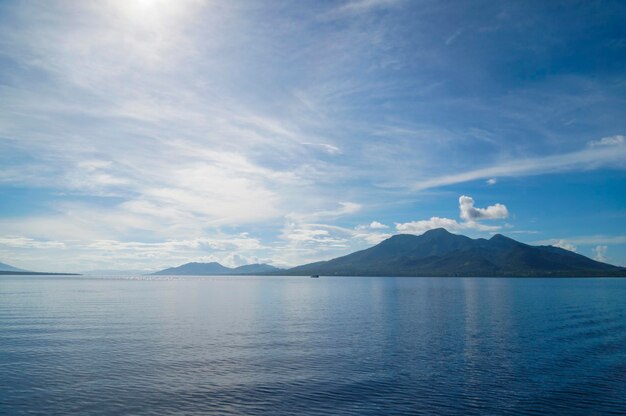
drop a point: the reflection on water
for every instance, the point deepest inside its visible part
(285, 345)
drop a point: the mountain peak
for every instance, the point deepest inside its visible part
(438, 231)
(503, 240)
(434, 233)
(215, 268)
(8, 268)
(438, 252)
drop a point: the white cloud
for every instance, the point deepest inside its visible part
(177, 153)
(131, 107)
(420, 227)
(470, 213)
(491, 181)
(371, 233)
(345, 208)
(589, 240)
(91, 165)
(363, 6)
(564, 245)
(308, 241)
(236, 260)
(592, 157)
(308, 235)
(89, 254)
(617, 140)
(328, 148)
(25, 242)
(450, 40)
(599, 253)
(371, 237)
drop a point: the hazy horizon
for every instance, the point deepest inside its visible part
(143, 134)
(390, 267)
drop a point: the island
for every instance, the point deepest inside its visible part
(216, 269)
(439, 253)
(7, 269)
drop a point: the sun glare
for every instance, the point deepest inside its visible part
(148, 13)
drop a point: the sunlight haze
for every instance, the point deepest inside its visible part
(144, 134)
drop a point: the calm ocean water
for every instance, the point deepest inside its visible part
(294, 345)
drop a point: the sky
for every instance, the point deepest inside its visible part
(142, 134)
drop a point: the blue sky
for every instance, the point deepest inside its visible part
(139, 134)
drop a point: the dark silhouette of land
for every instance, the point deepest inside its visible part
(214, 269)
(436, 253)
(6, 272)
(440, 253)
(6, 269)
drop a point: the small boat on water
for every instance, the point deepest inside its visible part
(315, 276)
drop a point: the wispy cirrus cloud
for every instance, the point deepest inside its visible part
(25, 242)
(617, 140)
(325, 147)
(151, 121)
(611, 154)
(72, 254)
(587, 240)
(363, 6)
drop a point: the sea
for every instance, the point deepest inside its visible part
(143, 345)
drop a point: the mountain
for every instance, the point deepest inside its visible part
(115, 272)
(214, 268)
(7, 268)
(4, 272)
(255, 268)
(197, 269)
(440, 253)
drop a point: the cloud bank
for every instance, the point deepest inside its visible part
(468, 213)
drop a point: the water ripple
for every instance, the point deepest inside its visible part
(274, 346)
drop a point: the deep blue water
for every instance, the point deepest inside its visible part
(294, 345)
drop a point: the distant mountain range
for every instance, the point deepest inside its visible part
(436, 253)
(115, 272)
(8, 268)
(440, 253)
(214, 268)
